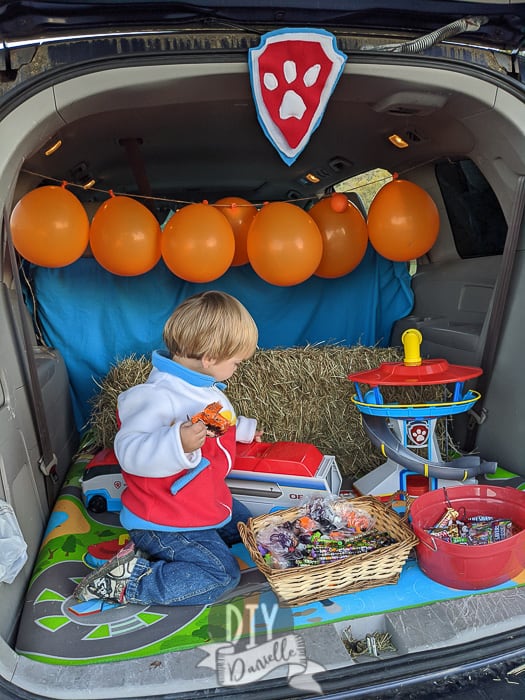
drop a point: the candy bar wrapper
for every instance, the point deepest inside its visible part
(476, 531)
(215, 423)
(444, 533)
(447, 519)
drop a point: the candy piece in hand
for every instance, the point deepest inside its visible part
(211, 417)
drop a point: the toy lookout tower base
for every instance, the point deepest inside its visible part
(405, 433)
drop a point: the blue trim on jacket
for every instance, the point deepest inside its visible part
(189, 476)
(129, 521)
(164, 363)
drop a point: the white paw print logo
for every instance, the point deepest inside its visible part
(292, 104)
(418, 433)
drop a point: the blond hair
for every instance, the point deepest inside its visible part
(211, 324)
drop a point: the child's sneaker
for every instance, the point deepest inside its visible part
(110, 580)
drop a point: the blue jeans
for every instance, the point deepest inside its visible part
(193, 567)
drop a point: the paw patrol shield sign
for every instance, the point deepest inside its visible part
(293, 73)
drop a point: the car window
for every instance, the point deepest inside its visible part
(361, 189)
(476, 219)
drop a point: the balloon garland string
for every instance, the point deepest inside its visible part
(183, 202)
(199, 241)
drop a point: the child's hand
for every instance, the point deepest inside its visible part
(192, 435)
(258, 435)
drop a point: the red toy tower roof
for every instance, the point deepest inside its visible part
(414, 371)
(428, 372)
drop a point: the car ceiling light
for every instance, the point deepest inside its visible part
(82, 177)
(397, 141)
(53, 148)
(312, 178)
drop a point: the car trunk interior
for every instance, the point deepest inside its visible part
(171, 130)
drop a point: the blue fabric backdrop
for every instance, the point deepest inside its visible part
(95, 318)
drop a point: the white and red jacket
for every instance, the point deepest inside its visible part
(167, 488)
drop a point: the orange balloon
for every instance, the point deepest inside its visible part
(339, 202)
(403, 221)
(284, 244)
(345, 237)
(198, 243)
(240, 214)
(50, 227)
(125, 237)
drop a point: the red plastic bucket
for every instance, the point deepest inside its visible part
(467, 566)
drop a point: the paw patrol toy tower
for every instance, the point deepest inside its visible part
(405, 433)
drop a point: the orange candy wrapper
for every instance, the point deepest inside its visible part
(211, 417)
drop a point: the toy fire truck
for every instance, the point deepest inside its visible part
(266, 477)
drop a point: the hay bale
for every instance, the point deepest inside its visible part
(303, 394)
(126, 373)
(297, 394)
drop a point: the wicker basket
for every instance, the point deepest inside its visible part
(300, 585)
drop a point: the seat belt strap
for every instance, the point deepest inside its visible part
(48, 459)
(501, 291)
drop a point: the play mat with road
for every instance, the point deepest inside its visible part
(56, 629)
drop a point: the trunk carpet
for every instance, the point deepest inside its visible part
(54, 629)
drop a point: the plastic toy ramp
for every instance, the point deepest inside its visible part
(459, 469)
